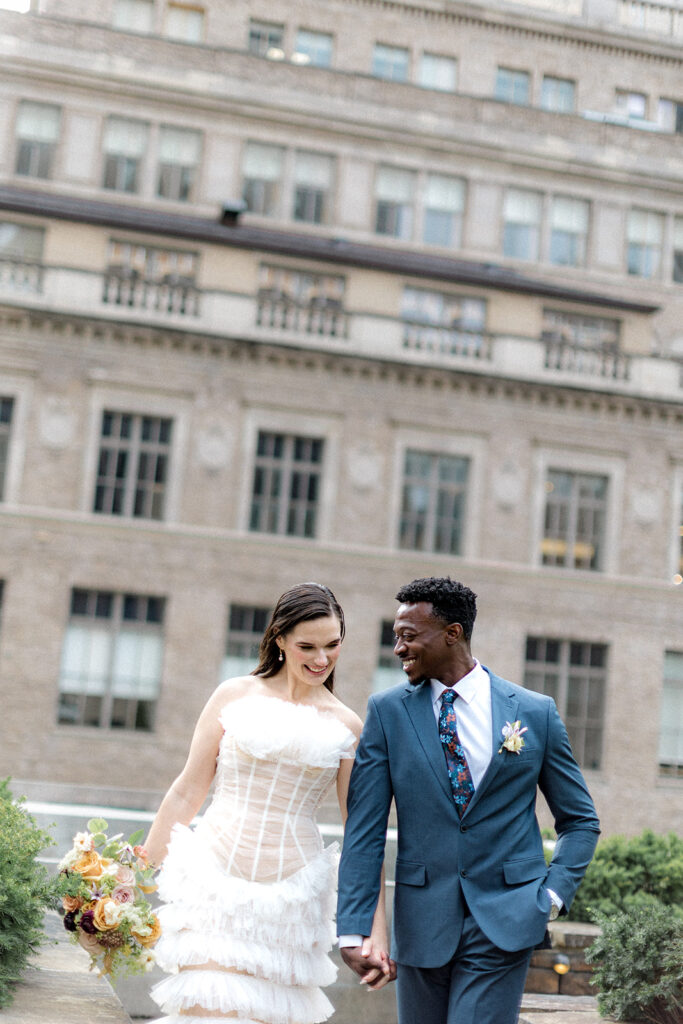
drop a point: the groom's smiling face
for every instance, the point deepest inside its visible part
(422, 642)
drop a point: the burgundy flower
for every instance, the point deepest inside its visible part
(87, 922)
(69, 922)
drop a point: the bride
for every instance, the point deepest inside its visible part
(248, 916)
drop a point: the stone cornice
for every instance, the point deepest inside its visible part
(436, 379)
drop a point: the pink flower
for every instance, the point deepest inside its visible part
(125, 875)
(123, 894)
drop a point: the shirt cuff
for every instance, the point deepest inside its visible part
(557, 904)
(350, 940)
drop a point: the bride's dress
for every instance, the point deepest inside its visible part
(249, 892)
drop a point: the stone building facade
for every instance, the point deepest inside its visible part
(349, 291)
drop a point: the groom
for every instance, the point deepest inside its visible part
(473, 892)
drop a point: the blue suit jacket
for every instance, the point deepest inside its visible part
(494, 854)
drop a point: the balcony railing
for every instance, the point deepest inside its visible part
(593, 361)
(446, 341)
(321, 316)
(665, 19)
(21, 275)
(168, 295)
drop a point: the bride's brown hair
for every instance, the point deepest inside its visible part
(302, 603)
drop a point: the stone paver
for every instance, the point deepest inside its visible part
(60, 989)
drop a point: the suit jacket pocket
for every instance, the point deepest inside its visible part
(524, 870)
(410, 872)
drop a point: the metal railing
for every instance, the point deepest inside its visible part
(446, 341)
(22, 275)
(604, 362)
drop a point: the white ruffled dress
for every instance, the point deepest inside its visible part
(249, 893)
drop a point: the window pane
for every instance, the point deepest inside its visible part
(557, 94)
(512, 86)
(313, 48)
(390, 62)
(438, 72)
(185, 23)
(137, 15)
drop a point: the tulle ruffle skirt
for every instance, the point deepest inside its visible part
(255, 949)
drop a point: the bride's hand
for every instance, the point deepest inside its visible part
(383, 969)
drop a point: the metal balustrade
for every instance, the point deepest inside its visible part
(604, 362)
(446, 341)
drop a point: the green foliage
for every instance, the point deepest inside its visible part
(25, 890)
(629, 873)
(639, 958)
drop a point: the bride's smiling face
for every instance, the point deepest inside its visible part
(311, 649)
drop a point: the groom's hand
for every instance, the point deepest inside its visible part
(375, 968)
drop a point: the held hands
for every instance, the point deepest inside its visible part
(371, 962)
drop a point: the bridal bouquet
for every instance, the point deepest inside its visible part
(103, 883)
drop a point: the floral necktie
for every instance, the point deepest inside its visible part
(456, 762)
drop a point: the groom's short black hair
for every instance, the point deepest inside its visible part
(450, 600)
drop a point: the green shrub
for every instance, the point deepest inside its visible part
(25, 890)
(639, 958)
(628, 873)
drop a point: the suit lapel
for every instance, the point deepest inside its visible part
(503, 709)
(418, 704)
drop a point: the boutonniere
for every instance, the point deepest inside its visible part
(512, 737)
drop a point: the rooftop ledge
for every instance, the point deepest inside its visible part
(328, 249)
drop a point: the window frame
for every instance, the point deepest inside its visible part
(460, 445)
(565, 668)
(114, 626)
(233, 664)
(507, 83)
(555, 107)
(385, 55)
(568, 460)
(39, 154)
(299, 424)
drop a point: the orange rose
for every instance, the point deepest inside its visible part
(154, 935)
(89, 866)
(71, 903)
(107, 915)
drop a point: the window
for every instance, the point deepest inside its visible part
(390, 62)
(179, 151)
(670, 115)
(246, 626)
(671, 721)
(266, 39)
(143, 277)
(132, 470)
(37, 134)
(444, 202)
(394, 192)
(21, 253)
(312, 187)
(125, 143)
(262, 173)
(521, 228)
(110, 673)
(388, 672)
(568, 231)
(581, 329)
(678, 578)
(513, 86)
(558, 94)
(444, 324)
(630, 104)
(575, 519)
(313, 48)
(286, 488)
(574, 674)
(134, 15)
(438, 72)
(295, 300)
(678, 250)
(6, 409)
(184, 23)
(644, 232)
(433, 502)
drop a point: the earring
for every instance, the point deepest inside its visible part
(281, 656)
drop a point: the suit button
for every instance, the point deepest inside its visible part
(463, 873)
(463, 828)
